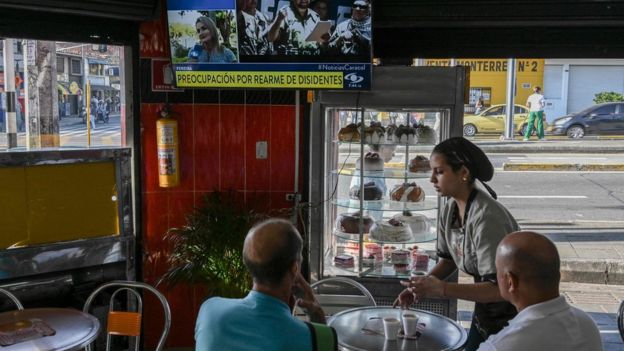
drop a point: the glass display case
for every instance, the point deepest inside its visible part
(377, 165)
(372, 213)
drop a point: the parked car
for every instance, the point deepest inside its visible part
(607, 118)
(492, 120)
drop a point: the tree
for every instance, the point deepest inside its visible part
(608, 96)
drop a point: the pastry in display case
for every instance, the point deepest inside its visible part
(383, 203)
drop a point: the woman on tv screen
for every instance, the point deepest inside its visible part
(208, 49)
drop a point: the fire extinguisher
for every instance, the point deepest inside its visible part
(167, 144)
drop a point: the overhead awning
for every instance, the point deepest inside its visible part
(62, 88)
(102, 87)
(99, 61)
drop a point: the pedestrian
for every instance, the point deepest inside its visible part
(528, 268)
(471, 225)
(535, 103)
(19, 116)
(479, 105)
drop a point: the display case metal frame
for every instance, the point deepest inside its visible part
(394, 88)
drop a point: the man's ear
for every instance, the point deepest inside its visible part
(512, 282)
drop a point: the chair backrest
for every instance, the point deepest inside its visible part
(13, 298)
(128, 323)
(335, 294)
(620, 320)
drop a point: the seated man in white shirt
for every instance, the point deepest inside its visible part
(528, 275)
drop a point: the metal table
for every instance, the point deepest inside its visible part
(440, 333)
(74, 329)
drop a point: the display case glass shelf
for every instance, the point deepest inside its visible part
(384, 268)
(420, 237)
(387, 173)
(420, 145)
(430, 203)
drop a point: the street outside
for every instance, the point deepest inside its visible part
(73, 133)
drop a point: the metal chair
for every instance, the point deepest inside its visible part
(13, 298)
(336, 294)
(128, 323)
(620, 320)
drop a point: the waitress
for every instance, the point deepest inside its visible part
(471, 225)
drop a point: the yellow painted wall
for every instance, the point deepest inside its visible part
(53, 203)
(492, 73)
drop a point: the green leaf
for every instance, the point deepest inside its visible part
(208, 249)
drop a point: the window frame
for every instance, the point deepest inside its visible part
(71, 68)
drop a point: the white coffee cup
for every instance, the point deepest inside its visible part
(391, 328)
(410, 323)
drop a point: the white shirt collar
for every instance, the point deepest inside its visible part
(540, 310)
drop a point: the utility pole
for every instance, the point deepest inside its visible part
(9, 88)
(42, 104)
(85, 69)
(511, 92)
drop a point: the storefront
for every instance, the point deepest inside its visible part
(488, 78)
(570, 85)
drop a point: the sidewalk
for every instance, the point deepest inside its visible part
(588, 145)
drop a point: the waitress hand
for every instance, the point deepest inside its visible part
(405, 299)
(428, 286)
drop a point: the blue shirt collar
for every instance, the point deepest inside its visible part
(268, 299)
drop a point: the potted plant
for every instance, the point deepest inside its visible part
(208, 249)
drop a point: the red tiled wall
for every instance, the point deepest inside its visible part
(217, 152)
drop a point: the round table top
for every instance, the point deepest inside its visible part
(73, 329)
(440, 333)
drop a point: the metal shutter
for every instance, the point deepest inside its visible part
(586, 81)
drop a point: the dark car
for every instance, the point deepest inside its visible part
(607, 118)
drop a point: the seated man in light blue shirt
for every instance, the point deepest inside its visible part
(263, 320)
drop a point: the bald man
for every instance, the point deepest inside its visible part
(263, 320)
(528, 272)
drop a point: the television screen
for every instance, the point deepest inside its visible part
(291, 44)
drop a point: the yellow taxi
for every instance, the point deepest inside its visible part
(492, 120)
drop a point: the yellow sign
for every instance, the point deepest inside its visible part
(229, 79)
(488, 78)
(491, 65)
(74, 88)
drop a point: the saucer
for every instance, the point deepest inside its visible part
(409, 337)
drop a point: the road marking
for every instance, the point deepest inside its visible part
(552, 172)
(542, 197)
(553, 158)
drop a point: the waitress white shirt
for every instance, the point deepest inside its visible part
(547, 326)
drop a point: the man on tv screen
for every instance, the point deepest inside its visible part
(292, 26)
(352, 36)
(253, 27)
